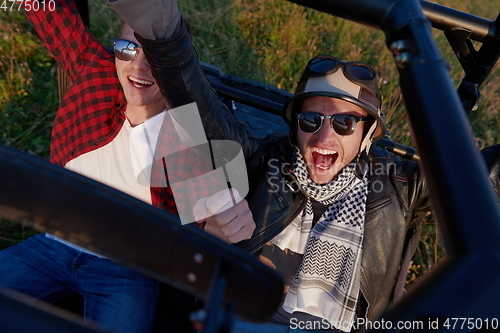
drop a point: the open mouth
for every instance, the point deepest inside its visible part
(138, 83)
(323, 159)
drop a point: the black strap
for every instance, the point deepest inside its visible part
(400, 282)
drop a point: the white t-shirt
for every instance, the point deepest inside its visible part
(119, 163)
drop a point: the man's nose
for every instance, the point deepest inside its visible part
(140, 60)
(325, 132)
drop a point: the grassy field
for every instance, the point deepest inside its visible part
(264, 40)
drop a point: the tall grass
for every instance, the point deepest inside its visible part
(264, 40)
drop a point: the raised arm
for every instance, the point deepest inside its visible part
(66, 37)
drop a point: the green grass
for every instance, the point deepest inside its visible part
(264, 40)
(28, 93)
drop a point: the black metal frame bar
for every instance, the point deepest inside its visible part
(136, 235)
(445, 18)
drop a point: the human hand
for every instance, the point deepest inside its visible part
(227, 216)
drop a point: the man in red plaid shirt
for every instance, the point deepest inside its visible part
(105, 128)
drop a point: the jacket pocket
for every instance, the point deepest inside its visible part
(275, 186)
(377, 202)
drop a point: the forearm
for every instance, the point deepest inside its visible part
(175, 65)
(65, 36)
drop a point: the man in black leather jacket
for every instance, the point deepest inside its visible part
(332, 215)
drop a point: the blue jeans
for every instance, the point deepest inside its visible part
(116, 298)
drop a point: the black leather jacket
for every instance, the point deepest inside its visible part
(396, 204)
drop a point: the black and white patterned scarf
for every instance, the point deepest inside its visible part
(327, 282)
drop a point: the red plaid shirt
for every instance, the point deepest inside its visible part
(92, 112)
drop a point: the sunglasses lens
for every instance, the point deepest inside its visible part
(323, 65)
(309, 122)
(125, 50)
(360, 72)
(344, 124)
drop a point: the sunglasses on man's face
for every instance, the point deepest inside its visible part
(124, 49)
(342, 124)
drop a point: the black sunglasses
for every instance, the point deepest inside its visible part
(342, 124)
(124, 49)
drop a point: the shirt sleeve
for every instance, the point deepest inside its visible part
(66, 37)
